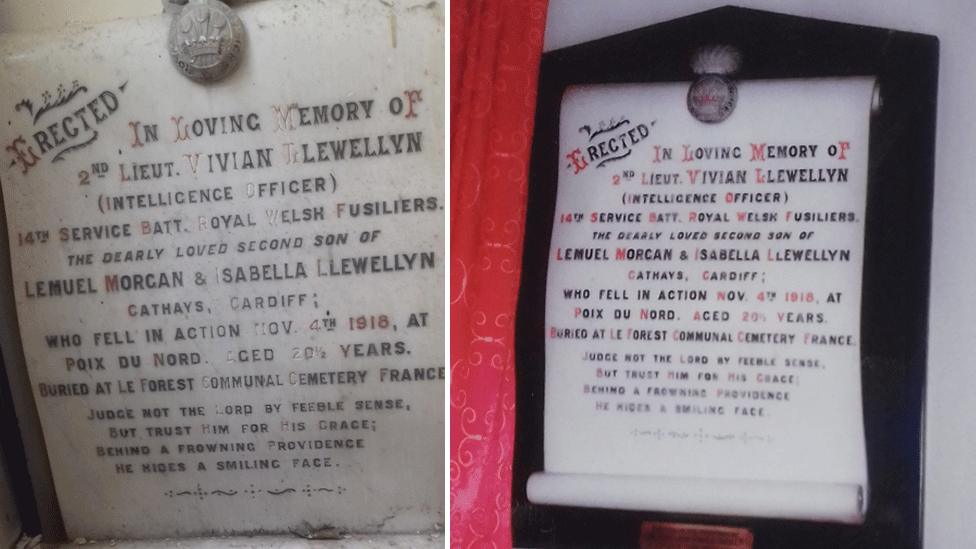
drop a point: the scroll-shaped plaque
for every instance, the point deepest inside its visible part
(703, 296)
(723, 301)
(230, 295)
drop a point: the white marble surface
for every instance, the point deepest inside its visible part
(368, 469)
(413, 541)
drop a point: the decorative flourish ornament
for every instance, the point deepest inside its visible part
(206, 40)
(712, 96)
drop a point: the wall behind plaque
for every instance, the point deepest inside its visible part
(9, 517)
(952, 334)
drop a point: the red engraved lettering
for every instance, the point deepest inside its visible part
(24, 154)
(758, 152)
(413, 96)
(182, 133)
(577, 162)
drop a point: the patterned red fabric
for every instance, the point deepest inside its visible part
(495, 50)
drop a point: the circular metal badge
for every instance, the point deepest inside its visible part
(206, 40)
(711, 98)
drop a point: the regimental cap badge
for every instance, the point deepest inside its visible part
(712, 96)
(206, 40)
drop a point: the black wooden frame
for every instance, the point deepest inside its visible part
(896, 264)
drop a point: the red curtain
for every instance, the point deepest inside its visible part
(495, 50)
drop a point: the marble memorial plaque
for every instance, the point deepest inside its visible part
(230, 296)
(703, 302)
